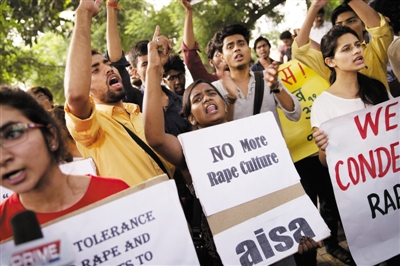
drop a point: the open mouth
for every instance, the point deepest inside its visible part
(14, 177)
(114, 82)
(359, 59)
(239, 57)
(211, 109)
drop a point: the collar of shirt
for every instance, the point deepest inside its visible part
(128, 107)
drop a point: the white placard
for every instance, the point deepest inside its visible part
(364, 164)
(147, 227)
(271, 236)
(248, 156)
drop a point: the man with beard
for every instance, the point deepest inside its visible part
(95, 113)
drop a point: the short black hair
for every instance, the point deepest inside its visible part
(211, 48)
(229, 31)
(38, 89)
(259, 39)
(321, 11)
(339, 10)
(285, 35)
(390, 9)
(174, 62)
(139, 49)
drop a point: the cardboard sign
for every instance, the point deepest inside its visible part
(303, 82)
(272, 235)
(250, 191)
(246, 155)
(364, 164)
(147, 227)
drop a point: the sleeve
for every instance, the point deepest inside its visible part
(84, 131)
(394, 57)
(319, 112)
(132, 95)
(218, 85)
(296, 113)
(381, 38)
(311, 58)
(195, 65)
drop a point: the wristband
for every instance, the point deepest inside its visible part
(115, 6)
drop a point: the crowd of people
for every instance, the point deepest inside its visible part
(138, 103)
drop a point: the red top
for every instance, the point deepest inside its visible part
(99, 188)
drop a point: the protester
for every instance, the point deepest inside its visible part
(43, 96)
(262, 49)
(349, 91)
(286, 51)
(174, 74)
(320, 27)
(117, 58)
(190, 47)
(233, 41)
(95, 113)
(31, 150)
(391, 10)
(358, 16)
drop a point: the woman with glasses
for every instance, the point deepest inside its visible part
(30, 152)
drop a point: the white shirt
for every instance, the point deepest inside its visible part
(328, 106)
(316, 34)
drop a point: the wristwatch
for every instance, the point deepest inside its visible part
(278, 89)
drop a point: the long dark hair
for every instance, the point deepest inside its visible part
(31, 109)
(187, 105)
(371, 91)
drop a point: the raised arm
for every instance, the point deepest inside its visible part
(304, 33)
(77, 78)
(113, 40)
(284, 98)
(366, 13)
(168, 146)
(188, 33)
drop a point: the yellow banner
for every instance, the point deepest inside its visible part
(303, 82)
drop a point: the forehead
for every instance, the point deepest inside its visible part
(233, 38)
(261, 43)
(8, 114)
(345, 16)
(200, 88)
(347, 39)
(173, 72)
(141, 59)
(98, 58)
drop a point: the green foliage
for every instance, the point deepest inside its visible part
(39, 57)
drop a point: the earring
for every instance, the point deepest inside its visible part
(53, 147)
(226, 109)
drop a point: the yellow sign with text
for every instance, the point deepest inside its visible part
(303, 82)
